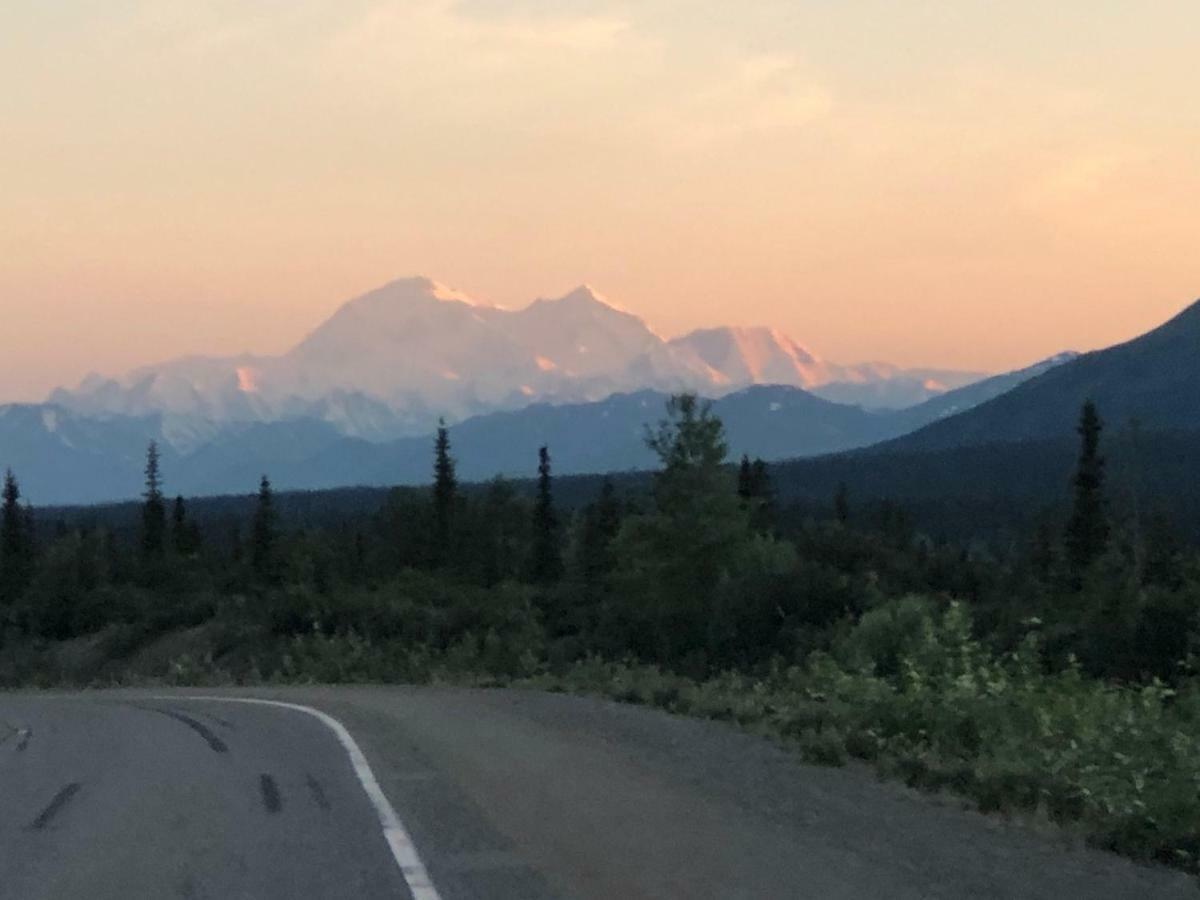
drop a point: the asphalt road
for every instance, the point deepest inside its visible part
(494, 794)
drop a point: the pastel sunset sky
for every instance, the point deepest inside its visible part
(968, 184)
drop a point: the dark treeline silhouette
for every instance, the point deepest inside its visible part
(701, 570)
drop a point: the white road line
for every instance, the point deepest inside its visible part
(403, 849)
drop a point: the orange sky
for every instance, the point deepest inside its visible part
(974, 184)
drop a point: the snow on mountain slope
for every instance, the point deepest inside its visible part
(745, 356)
(582, 335)
(391, 362)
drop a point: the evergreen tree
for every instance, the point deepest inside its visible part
(445, 492)
(235, 544)
(754, 487)
(179, 525)
(30, 535)
(841, 503)
(360, 554)
(500, 533)
(601, 522)
(263, 538)
(1088, 529)
(1043, 550)
(763, 496)
(1165, 552)
(547, 564)
(185, 534)
(16, 561)
(154, 509)
(745, 485)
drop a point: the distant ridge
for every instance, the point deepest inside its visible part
(1153, 380)
(64, 456)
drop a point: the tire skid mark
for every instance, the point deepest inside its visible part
(272, 802)
(224, 723)
(61, 799)
(318, 792)
(214, 742)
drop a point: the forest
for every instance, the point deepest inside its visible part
(1048, 671)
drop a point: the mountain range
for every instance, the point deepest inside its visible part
(355, 402)
(392, 362)
(64, 456)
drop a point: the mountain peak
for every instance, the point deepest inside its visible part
(415, 288)
(754, 355)
(586, 295)
(585, 292)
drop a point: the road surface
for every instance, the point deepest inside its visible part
(456, 794)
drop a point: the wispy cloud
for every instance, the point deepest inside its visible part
(395, 34)
(754, 96)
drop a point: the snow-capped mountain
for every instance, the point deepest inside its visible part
(741, 356)
(392, 362)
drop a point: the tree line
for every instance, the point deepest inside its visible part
(701, 573)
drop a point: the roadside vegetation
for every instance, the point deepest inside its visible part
(1051, 676)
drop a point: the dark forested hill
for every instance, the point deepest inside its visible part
(1153, 380)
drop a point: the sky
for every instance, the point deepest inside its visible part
(972, 184)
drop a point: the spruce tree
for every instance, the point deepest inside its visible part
(262, 538)
(1088, 529)
(601, 522)
(30, 534)
(547, 557)
(184, 534)
(497, 534)
(154, 509)
(15, 543)
(763, 495)
(445, 491)
(754, 487)
(178, 523)
(236, 550)
(745, 485)
(841, 503)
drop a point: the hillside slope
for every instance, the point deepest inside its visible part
(1153, 379)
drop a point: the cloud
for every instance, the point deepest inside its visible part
(1076, 181)
(394, 34)
(753, 97)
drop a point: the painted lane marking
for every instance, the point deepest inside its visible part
(61, 799)
(404, 851)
